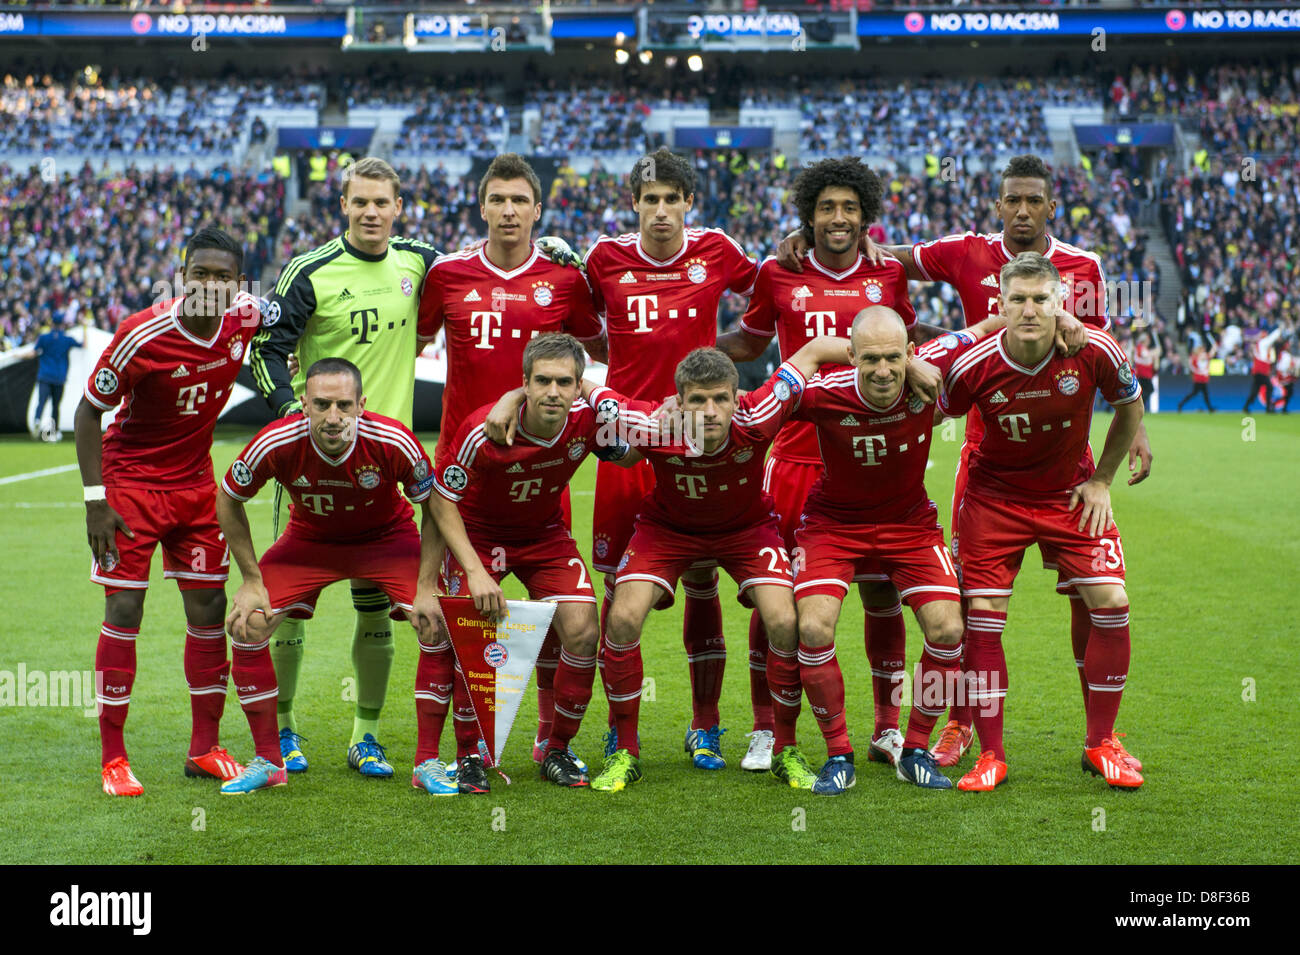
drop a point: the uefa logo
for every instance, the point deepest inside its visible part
(495, 655)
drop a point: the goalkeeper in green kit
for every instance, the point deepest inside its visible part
(355, 297)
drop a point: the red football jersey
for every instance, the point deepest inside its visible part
(721, 492)
(1144, 360)
(173, 386)
(800, 306)
(874, 458)
(491, 315)
(972, 264)
(1201, 369)
(1038, 450)
(348, 498)
(656, 312)
(507, 493)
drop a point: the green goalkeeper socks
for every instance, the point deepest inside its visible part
(286, 655)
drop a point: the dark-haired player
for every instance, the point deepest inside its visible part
(837, 199)
(342, 466)
(658, 290)
(971, 263)
(491, 302)
(148, 481)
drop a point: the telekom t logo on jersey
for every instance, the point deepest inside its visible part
(190, 397)
(1015, 425)
(693, 485)
(644, 309)
(817, 324)
(870, 447)
(485, 326)
(521, 491)
(320, 504)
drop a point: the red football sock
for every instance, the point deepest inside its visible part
(547, 660)
(463, 720)
(961, 710)
(433, 676)
(1106, 666)
(606, 603)
(787, 695)
(936, 682)
(706, 651)
(624, 672)
(573, 681)
(115, 673)
(819, 671)
(1080, 630)
(886, 639)
(206, 671)
(986, 676)
(760, 696)
(255, 680)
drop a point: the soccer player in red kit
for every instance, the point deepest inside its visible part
(1200, 363)
(341, 466)
(970, 263)
(658, 291)
(837, 199)
(491, 302)
(868, 517)
(499, 506)
(1032, 482)
(707, 505)
(148, 481)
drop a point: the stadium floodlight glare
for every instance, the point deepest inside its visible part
(620, 38)
(670, 61)
(620, 56)
(695, 62)
(645, 56)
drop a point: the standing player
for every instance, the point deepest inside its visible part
(148, 481)
(1286, 374)
(1262, 357)
(356, 296)
(658, 291)
(1032, 482)
(970, 263)
(707, 504)
(868, 517)
(491, 302)
(342, 466)
(1146, 362)
(501, 506)
(1200, 377)
(52, 349)
(837, 199)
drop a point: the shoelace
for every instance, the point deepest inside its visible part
(294, 739)
(368, 748)
(713, 739)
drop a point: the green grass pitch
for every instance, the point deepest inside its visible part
(1211, 709)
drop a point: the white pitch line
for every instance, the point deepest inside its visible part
(15, 478)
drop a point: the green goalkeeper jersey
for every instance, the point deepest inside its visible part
(339, 302)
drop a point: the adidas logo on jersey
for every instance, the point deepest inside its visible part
(180, 372)
(989, 280)
(302, 481)
(473, 296)
(344, 295)
(515, 468)
(998, 399)
(848, 421)
(627, 279)
(803, 291)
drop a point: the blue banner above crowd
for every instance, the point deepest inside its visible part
(1120, 134)
(1159, 21)
(180, 25)
(353, 138)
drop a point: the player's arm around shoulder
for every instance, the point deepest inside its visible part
(823, 350)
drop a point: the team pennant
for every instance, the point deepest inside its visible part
(497, 660)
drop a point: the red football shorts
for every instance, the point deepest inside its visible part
(753, 556)
(910, 555)
(789, 482)
(549, 567)
(619, 493)
(295, 569)
(995, 532)
(183, 521)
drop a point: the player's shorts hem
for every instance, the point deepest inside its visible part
(987, 592)
(569, 599)
(120, 584)
(859, 578)
(192, 575)
(952, 592)
(604, 568)
(657, 581)
(308, 610)
(1090, 581)
(752, 582)
(822, 582)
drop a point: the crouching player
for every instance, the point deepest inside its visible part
(708, 505)
(500, 506)
(342, 467)
(1032, 481)
(869, 518)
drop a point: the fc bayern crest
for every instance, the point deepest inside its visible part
(602, 547)
(627, 555)
(872, 291)
(107, 562)
(455, 477)
(743, 455)
(106, 381)
(407, 287)
(453, 586)
(495, 655)
(542, 296)
(1068, 383)
(577, 450)
(241, 473)
(236, 350)
(696, 272)
(368, 478)
(915, 404)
